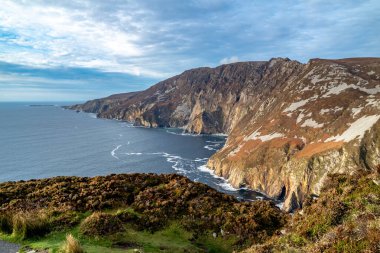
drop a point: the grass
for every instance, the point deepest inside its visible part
(72, 245)
(34, 230)
(174, 238)
(26, 225)
(119, 213)
(345, 218)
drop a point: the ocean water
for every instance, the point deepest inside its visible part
(47, 141)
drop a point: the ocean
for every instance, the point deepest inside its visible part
(39, 140)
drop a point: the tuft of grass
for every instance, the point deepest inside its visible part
(27, 225)
(72, 245)
(5, 223)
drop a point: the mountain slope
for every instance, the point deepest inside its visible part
(288, 124)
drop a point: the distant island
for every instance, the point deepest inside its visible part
(40, 105)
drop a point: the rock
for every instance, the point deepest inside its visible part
(289, 124)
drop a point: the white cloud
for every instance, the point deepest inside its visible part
(162, 38)
(227, 60)
(50, 36)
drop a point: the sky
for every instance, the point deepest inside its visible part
(76, 50)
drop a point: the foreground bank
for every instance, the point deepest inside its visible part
(126, 212)
(169, 213)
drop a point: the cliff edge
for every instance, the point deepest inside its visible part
(289, 124)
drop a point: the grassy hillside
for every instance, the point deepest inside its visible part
(344, 218)
(134, 212)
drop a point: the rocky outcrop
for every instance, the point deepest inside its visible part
(288, 124)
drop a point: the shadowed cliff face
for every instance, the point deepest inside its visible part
(288, 124)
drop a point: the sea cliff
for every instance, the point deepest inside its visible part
(288, 124)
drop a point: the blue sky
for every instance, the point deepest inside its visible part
(78, 50)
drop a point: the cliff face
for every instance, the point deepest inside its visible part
(288, 124)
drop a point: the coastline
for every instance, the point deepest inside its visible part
(225, 185)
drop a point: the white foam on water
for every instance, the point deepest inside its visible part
(200, 159)
(93, 115)
(176, 161)
(113, 152)
(215, 142)
(227, 186)
(212, 146)
(280, 205)
(131, 153)
(220, 134)
(183, 133)
(224, 184)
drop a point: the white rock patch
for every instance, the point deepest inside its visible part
(316, 79)
(356, 111)
(371, 73)
(257, 136)
(335, 109)
(300, 117)
(373, 102)
(306, 88)
(236, 150)
(294, 106)
(344, 86)
(324, 111)
(356, 129)
(312, 123)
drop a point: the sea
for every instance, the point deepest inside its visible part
(40, 140)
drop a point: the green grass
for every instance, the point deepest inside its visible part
(174, 238)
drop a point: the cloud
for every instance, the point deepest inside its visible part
(153, 40)
(227, 60)
(23, 83)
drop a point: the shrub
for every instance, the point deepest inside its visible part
(128, 216)
(99, 224)
(72, 245)
(27, 225)
(64, 220)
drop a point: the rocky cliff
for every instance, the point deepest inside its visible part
(289, 124)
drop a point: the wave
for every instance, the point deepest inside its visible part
(113, 152)
(280, 205)
(176, 160)
(213, 147)
(200, 159)
(183, 134)
(224, 184)
(220, 134)
(227, 186)
(219, 142)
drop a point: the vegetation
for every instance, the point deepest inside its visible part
(344, 218)
(143, 212)
(72, 245)
(30, 224)
(169, 213)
